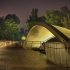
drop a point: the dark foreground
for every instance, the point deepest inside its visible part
(20, 59)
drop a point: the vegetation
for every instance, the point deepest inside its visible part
(54, 17)
(34, 18)
(9, 27)
(60, 18)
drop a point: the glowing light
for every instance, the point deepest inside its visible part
(42, 34)
(38, 33)
(4, 44)
(63, 30)
(23, 38)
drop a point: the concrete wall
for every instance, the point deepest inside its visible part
(56, 53)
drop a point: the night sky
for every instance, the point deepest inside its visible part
(23, 8)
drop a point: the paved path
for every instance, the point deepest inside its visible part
(20, 59)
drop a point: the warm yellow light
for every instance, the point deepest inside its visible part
(4, 44)
(63, 30)
(23, 38)
(38, 33)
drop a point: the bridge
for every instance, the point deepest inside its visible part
(56, 52)
(36, 56)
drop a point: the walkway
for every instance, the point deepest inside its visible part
(20, 59)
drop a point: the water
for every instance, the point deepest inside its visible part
(21, 59)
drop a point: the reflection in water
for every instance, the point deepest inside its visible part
(20, 59)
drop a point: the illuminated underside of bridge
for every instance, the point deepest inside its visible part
(56, 52)
(43, 32)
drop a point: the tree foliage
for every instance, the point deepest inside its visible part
(66, 21)
(64, 10)
(53, 17)
(22, 33)
(65, 17)
(34, 18)
(13, 17)
(60, 18)
(9, 27)
(2, 27)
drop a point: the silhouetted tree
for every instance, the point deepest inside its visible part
(2, 28)
(32, 18)
(41, 19)
(66, 21)
(64, 10)
(22, 30)
(13, 17)
(65, 17)
(26, 31)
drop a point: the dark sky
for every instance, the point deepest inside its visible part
(23, 8)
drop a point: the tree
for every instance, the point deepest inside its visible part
(2, 28)
(32, 18)
(66, 21)
(34, 14)
(26, 31)
(64, 10)
(14, 18)
(53, 17)
(22, 32)
(41, 19)
(17, 35)
(65, 17)
(11, 28)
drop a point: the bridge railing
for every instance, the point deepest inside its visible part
(32, 44)
(56, 53)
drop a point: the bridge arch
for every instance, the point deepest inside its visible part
(41, 31)
(57, 54)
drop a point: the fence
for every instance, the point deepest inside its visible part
(32, 44)
(56, 53)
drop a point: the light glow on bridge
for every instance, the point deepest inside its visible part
(38, 33)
